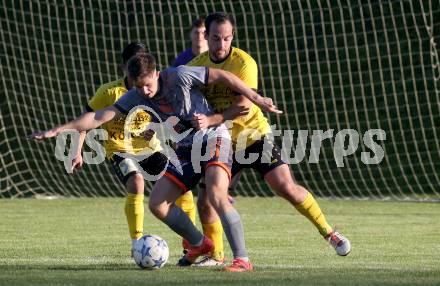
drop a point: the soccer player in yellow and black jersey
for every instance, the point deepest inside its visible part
(219, 33)
(125, 168)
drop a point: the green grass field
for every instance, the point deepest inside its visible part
(85, 242)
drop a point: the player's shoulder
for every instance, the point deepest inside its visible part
(107, 94)
(115, 85)
(238, 54)
(182, 75)
(183, 58)
(199, 60)
(185, 54)
(179, 70)
(167, 73)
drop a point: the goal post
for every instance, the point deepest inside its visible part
(333, 67)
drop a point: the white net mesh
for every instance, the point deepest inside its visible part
(329, 65)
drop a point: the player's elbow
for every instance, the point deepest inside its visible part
(104, 115)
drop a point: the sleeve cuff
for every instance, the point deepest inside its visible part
(120, 108)
(207, 76)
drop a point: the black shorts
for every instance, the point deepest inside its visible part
(125, 167)
(269, 157)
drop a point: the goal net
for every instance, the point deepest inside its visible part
(329, 65)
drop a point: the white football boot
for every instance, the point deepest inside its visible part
(339, 242)
(209, 262)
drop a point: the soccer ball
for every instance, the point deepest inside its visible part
(150, 252)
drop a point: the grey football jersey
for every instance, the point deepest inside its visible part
(178, 96)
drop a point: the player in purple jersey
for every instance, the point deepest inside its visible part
(198, 43)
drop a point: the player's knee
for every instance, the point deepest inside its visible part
(205, 207)
(219, 203)
(159, 210)
(292, 192)
(135, 184)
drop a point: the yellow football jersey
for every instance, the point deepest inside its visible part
(106, 95)
(220, 97)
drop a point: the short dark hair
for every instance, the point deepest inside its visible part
(198, 23)
(219, 17)
(132, 49)
(140, 65)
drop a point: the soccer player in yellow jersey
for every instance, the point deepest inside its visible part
(220, 33)
(125, 168)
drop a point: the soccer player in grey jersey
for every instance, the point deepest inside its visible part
(175, 93)
(177, 96)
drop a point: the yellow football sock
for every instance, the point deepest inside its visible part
(134, 211)
(215, 232)
(311, 210)
(186, 203)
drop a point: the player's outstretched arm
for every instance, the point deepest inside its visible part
(86, 121)
(232, 81)
(77, 161)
